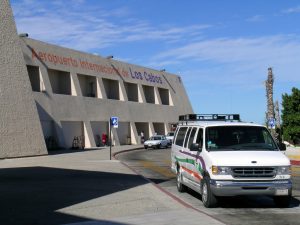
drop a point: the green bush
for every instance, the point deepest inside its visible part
(291, 116)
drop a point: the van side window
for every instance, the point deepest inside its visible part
(199, 139)
(192, 137)
(175, 134)
(187, 137)
(180, 136)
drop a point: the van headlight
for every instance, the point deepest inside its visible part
(284, 170)
(221, 170)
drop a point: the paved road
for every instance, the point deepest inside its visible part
(155, 165)
(83, 187)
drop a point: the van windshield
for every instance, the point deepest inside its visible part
(248, 138)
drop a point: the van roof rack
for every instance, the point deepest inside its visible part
(209, 117)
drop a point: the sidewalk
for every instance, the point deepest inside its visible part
(294, 155)
(85, 187)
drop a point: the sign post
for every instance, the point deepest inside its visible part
(113, 122)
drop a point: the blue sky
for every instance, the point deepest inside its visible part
(221, 49)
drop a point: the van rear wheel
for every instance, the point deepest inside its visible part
(209, 200)
(180, 187)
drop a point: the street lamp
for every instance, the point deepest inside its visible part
(23, 35)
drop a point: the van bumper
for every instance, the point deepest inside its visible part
(234, 188)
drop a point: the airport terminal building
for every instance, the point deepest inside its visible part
(76, 94)
(73, 95)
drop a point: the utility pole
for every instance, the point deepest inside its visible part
(269, 89)
(277, 115)
(270, 104)
(278, 122)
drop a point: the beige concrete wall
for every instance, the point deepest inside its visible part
(111, 76)
(20, 127)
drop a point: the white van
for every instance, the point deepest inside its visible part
(217, 155)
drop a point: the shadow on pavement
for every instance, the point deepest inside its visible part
(99, 222)
(247, 201)
(31, 195)
(70, 151)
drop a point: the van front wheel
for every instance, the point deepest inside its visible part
(208, 198)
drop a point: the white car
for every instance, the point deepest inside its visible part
(170, 137)
(156, 141)
(218, 155)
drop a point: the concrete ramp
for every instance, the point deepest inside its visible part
(20, 129)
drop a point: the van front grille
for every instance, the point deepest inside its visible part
(253, 172)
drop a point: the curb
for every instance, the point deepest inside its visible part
(161, 189)
(123, 151)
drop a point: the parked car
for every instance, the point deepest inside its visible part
(156, 141)
(170, 137)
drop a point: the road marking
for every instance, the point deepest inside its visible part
(161, 170)
(167, 162)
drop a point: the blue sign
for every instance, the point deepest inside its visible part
(271, 123)
(114, 121)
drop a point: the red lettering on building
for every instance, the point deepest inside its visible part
(71, 62)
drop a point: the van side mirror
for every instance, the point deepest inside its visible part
(196, 147)
(282, 146)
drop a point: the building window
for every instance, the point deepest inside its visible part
(131, 91)
(34, 77)
(88, 85)
(111, 88)
(60, 82)
(149, 94)
(164, 96)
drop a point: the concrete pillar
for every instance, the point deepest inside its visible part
(157, 96)
(122, 91)
(115, 137)
(151, 129)
(89, 140)
(75, 86)
(45, 78)
(167, 128)
(42, 83)
(141, 94)
(100, 89)
(20, 129)
(133, 134)
(60, 134)
(171, 103)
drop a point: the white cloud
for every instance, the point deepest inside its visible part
(244, 59)
(292, 10)
(256, 18)
(83, 27)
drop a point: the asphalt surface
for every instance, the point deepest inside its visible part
(155, 165)
(85, 187)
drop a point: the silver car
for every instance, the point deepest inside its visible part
(170, 137)
(156, 141)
